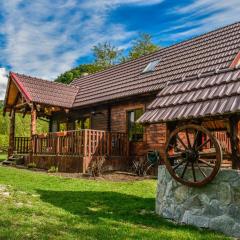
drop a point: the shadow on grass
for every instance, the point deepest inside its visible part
(97, 207)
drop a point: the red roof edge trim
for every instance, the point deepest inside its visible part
(236, 61)
(21, 87)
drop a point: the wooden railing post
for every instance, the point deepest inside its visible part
(85, 143)
(233, 122)
(11, 133)
(109, 144)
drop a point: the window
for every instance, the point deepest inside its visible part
(151, 66)
(135, 130)
(54, 126)
(83, 123)
(62, 126)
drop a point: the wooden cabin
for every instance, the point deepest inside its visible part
(97, 115)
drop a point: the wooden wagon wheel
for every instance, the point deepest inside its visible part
(193, 155)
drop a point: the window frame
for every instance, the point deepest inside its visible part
(83, 119)
(151, 66)
(128, 124)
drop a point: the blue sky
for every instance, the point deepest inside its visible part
(45, 38)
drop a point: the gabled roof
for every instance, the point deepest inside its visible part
(212, 95)
(43, 91)
(211, 51)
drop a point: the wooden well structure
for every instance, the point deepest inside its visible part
(197, 110)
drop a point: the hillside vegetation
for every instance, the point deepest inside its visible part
(22, 127)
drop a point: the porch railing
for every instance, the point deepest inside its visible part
(224, 141)
(21, 145)
(83, 142)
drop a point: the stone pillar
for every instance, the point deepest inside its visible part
(11, 132)
(214, 206)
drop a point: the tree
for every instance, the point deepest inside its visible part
(77, 72)
(141, 46)
(106, 54)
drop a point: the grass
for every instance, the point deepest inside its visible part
(3, 157)
(38, 206)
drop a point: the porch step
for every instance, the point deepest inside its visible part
(9, 162)
(13, 160)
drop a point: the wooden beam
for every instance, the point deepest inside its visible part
(11, 132)
(33, 121)
(21, 105)
(109, 119)
(50, 125)
(33, 125)
(233, 123)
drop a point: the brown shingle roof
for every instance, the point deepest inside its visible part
(46, 92)
(212, 95)
(214, 50)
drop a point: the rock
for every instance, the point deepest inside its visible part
(2, 188)
(236, 230)
(225, 193)
(181, 193)
(189, 217)
(192, 202)
(214, 208)
(19, 204)
(5, 194)
(234, 212)
(223, 224)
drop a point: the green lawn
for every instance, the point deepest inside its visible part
(3, 157)
(37, 206)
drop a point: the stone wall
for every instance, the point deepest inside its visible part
(215, 206)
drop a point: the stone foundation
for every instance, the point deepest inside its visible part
(215, 206)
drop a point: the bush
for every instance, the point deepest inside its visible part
(32, 165)
(53, 169)
(96, 167)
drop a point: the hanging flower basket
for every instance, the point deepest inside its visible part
(61, 134)
(42, 135)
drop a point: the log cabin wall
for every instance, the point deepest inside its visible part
(154, 135)
(99, 120)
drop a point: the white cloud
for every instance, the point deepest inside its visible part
(3, 82)
(204, 15)
(45, 38)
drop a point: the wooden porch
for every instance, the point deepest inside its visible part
(73, 151)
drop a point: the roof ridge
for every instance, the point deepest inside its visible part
(158, 51)
(45, 80)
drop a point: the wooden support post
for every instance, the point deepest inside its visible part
(233, 123)
(11, 132)
(109, 119)
(50, 125)
(33, 126)
(33, 121)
